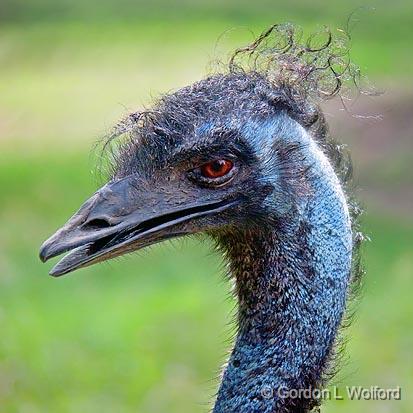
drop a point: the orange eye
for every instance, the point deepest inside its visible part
(216, 169)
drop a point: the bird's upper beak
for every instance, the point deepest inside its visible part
(124, 216)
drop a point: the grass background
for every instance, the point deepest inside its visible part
(148, 333)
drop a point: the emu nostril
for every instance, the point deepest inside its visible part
(96, 223)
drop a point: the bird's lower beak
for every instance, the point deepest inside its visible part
(122, 217)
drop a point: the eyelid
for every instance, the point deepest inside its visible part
(230, 156)
(214, 152)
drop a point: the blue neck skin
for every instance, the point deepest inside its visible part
(291, 283)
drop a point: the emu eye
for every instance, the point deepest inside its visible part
(213, 174)
(216, 169)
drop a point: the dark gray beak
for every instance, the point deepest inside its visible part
(125, 216)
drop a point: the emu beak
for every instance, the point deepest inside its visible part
(125, 216)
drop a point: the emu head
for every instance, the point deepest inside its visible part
(219, 156)
(205, 159)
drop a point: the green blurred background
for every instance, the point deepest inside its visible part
(149, 333)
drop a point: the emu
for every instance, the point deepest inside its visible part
(244, 156)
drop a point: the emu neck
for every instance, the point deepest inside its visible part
(291, 284)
